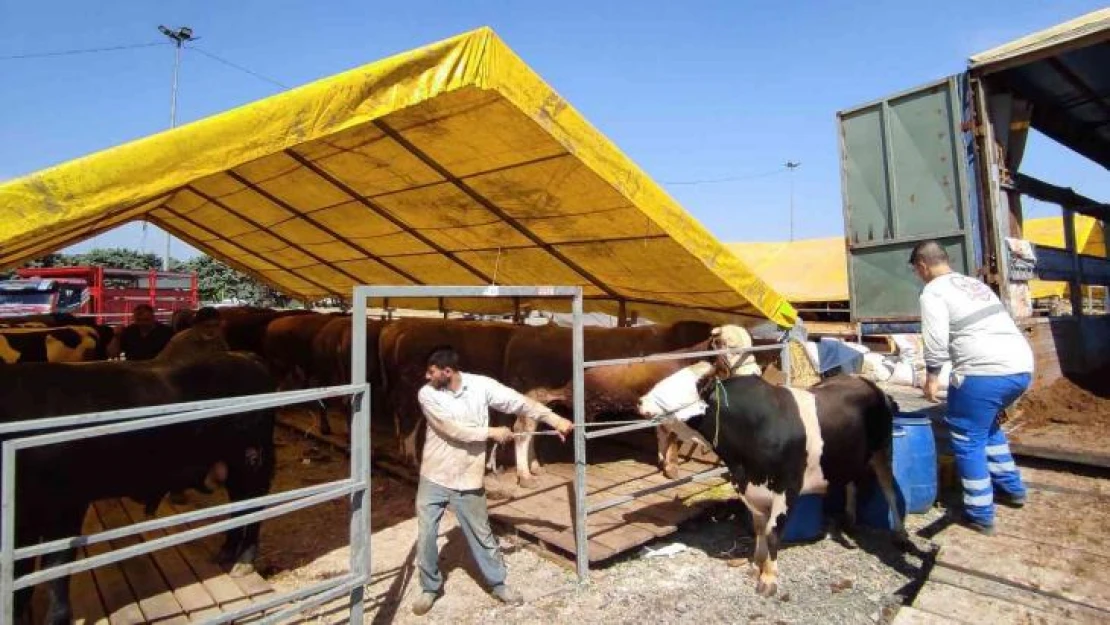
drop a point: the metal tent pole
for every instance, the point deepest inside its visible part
(581, 546)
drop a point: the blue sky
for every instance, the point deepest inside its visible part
(695, 91)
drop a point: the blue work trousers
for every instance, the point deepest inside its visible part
(470, 510)
(983, 459)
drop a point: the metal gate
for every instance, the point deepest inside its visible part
(581, 509)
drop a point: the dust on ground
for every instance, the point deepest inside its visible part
(707, 582)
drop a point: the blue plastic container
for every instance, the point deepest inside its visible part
(915, 462)
(915, 475)
(805, 521)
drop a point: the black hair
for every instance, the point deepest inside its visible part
(142, 307)
(206, 314)
(443, 357)
(930, 252)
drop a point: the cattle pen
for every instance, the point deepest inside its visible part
(245, 512)
(573, 538)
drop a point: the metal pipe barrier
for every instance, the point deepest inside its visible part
(90, 425)
(574, 293)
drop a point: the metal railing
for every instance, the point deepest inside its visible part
(356, 488)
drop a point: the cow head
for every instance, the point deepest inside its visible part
(677, 395)
(734, 337)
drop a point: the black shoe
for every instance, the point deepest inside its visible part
(985, 530)
(1010, 501)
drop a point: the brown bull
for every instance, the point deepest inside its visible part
(244, 328)
(331, 364)
(404, 347)
(540, 363)
(287, 347)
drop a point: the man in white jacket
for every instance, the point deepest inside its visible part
(456, 406)
(963, 321)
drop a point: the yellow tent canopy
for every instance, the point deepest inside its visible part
(1089, 240)
(453, 164)
(805, 271)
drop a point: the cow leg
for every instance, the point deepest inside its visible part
(322, 422)
(759, 529)
(522, 446)
(881, 462)
(240, 549)
(850, 506)
(58, 611)
(21, 609)
(63, 521)
(668, 451)
(768, 567)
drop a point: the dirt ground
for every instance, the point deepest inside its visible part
(1079, 402)
(830, 581)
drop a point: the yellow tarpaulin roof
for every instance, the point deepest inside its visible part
(806, 271)
(453, 164)
(1089, 240)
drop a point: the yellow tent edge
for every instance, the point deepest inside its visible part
(74, 193)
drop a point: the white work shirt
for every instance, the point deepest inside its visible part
(458, 427)
(963, 321)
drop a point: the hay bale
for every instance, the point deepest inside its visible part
(802, 372)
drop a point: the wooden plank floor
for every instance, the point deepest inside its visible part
(543, 514)
(1048, 562)
(180, 584)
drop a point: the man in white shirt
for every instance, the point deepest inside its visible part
(456, 406)
(964, 322)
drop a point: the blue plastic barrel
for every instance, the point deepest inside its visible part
(915, 475)
(915, 462)
(805, 521)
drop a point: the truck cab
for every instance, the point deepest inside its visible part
(40, 296)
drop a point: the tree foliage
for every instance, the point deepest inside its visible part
(216, 281)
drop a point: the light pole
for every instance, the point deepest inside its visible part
(791, 166)
(179, 37)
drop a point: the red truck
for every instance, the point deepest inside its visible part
(107, 294)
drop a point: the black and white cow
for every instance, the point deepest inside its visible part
(780, 443)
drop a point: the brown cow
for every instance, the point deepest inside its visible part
(541, 361)
(617, 389)
(287, 347)
(525, 358)
(331, 365)
(245, 328)
(404, 347)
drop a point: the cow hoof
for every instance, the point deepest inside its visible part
(902, 541)
(537, 469)
(767, 589)
(527, 482)
(754, 571)
(242, 569)
(671, 472)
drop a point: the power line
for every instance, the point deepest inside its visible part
(766, 174)
(40, 55)
(232, 65)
